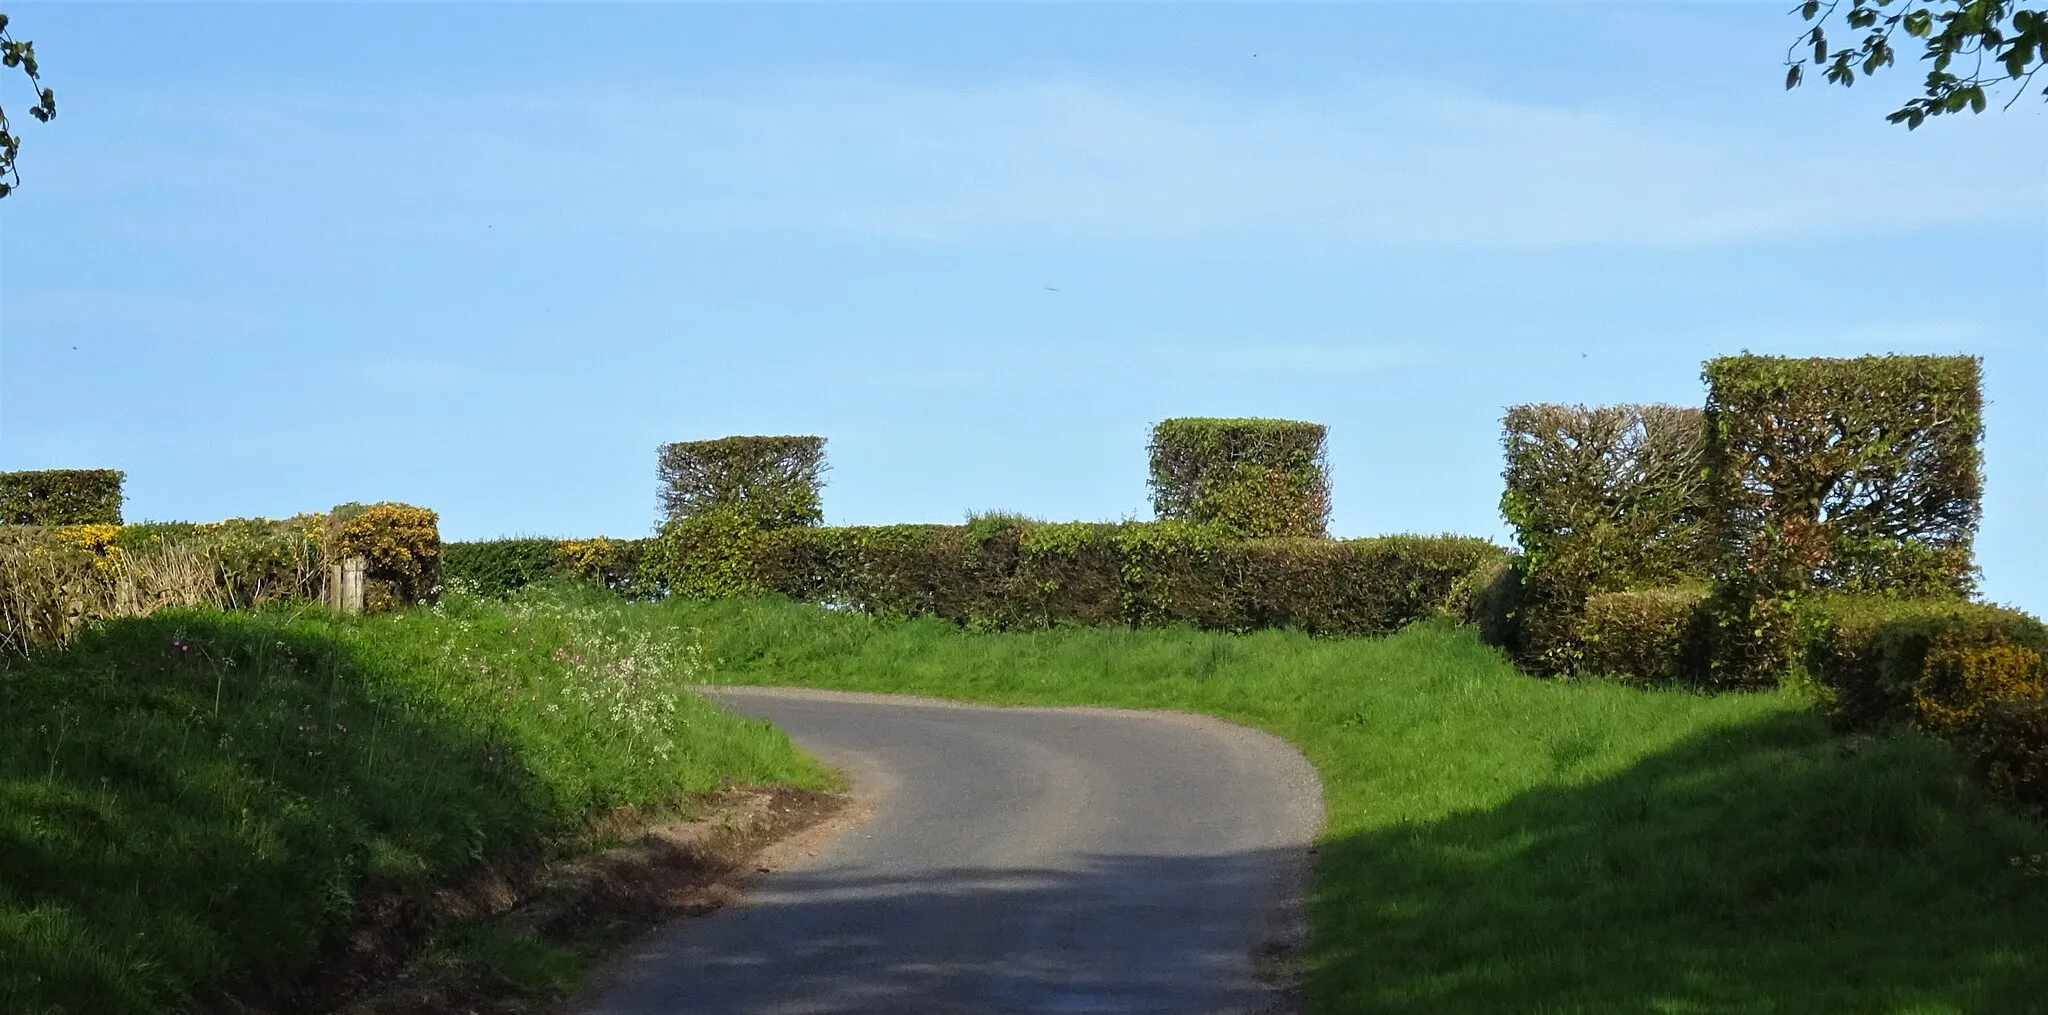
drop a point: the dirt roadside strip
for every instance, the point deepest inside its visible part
(589, 905)
(1017, 860)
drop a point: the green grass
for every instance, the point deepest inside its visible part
(1498, 843)
(199, 800)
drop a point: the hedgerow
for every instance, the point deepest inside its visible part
(61, 497)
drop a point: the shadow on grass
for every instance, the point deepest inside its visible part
(1764, 868)
(198, 798)
(1767, 867)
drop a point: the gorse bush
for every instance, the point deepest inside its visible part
(61, 497)
(62, 580)
(402, 545)
(1250, 478)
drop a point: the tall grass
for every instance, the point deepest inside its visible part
(197, 799)
(1498, 843)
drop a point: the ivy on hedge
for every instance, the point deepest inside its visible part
(1251, 478)
(1602, 500)
(769, 481)
(1853, 475)
(61, 497)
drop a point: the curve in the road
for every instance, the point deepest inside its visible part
(1017, 860)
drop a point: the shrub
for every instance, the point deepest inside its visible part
(1851, 475)
(2010, 745)
(1602, 500)
(1249, 477)
(616, 564)
(770, 481)
(497, 567)
(1874, 656)
(1971, 670)
(712, 555)
(1646, 636)
(61, 497)
(402, 545)
(1498, 594)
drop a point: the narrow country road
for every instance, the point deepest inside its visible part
(1017, 860)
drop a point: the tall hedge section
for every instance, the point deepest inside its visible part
(61, 497)
(1849, 475)
(771, 481)
(1251, 478)
(1602, 500)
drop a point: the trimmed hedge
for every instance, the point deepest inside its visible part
(768, 481)
(1602, 500)
(1008, 573)
(1850, 475)
(1646, 636)
(56, 497)
(1251, 478)
(1968, 672)
(1874, 655)
(499, 567)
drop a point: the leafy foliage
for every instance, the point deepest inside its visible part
(1969, 672)
(768, 481)
(20, 53)
(1252, 478)
(1855, 475)
(500, 567)
(1645, 636)
(2011, 39)
(1602, 500)
(1008, 573)
(61, 497)
(402, 544)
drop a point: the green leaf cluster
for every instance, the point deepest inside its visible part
(770, 481)
(1253, 478)
(61, 497)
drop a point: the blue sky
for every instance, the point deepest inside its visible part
(484, 258)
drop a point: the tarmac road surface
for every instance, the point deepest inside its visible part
(1017, 860)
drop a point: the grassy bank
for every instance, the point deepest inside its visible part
(1498, 843)
(201, 800)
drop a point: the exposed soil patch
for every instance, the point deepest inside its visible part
(399, 960)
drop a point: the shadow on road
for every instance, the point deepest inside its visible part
(1118, 934)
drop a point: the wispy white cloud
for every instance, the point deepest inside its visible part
(1078, 160)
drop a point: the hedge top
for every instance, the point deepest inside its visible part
(61, 497)
(1867, 471)
(772, 481)
(1252, 477)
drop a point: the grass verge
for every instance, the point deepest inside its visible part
(200, 803)
(1503, 844)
